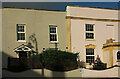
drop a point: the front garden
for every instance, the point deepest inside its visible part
(55, 60)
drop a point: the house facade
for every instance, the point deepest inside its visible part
(41, 29)
(90, 29)
(84, 30)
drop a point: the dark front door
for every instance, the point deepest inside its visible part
(22, 54)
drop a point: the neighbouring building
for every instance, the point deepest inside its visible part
(92, 32)
(40, 29)
(84, 30)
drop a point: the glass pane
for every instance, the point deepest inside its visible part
(20, 28)
(20, 36)
(89, 35)
(118, 55)
(89, 59)
(89, 51)
(89, 27)
(53, 37)
(53, 30)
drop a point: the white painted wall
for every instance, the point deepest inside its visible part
(92, 12)
(102, 30)
(78, 40)
(113, 72)
(115, 57)
(107, 58)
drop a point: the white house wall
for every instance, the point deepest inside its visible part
(115, 57)
(107, 58)
(87, 12)
(103, 29)
(78, 40)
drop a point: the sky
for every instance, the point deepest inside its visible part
(60, 0)
(59, 5)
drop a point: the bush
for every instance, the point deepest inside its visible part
(99, 65)
(57, 60)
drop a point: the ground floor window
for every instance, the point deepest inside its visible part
(90, 55)
(118, 55)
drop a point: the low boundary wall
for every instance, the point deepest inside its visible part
(112, 72)
(42, 73)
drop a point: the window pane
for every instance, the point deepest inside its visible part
(53, 37)
(89, 51)
(20, 36)
(89, 35)
(20, 28)
(118, 55)
(89, 27)
(53, 30)
(89, 59)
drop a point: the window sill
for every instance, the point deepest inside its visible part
(90, 40)
(21, 41)
(89, 63)
(54, 42)
(118, 60)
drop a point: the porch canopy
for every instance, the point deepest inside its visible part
(22, 47)
(23, 50)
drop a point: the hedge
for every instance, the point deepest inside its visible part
(56, 60)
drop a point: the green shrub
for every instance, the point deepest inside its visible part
(99, 65)
(57, 60)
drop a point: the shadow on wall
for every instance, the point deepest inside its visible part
(33, 42)
(28, 73)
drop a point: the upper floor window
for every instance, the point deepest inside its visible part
(89, 31)
(21, 32)
(53, 33)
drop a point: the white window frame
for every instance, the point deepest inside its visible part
(50, 26)
(90, 55)
(90, 32)
(21, 32)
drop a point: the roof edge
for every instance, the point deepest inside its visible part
(33, 9)
(92, 7)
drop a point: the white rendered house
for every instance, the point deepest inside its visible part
(92, 32)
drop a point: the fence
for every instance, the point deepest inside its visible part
(26, 62)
